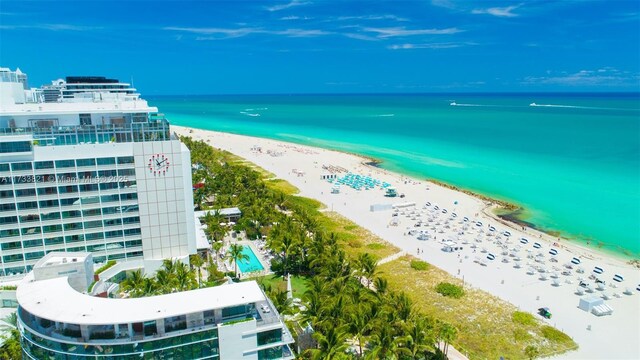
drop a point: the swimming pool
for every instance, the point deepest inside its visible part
(253, 264)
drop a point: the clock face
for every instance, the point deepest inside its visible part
(158, 164)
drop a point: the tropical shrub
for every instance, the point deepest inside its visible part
(450, 290)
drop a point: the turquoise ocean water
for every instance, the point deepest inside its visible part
(574, 166)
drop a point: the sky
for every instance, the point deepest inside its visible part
(323, 46)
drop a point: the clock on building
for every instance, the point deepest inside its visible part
(158, 164)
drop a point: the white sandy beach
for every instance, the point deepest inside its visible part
(614, 336)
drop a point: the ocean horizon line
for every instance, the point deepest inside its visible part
(461, 93)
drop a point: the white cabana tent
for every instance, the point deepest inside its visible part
(589, 302)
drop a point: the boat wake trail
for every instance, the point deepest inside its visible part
(572, 107)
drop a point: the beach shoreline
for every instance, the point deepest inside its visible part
(303, 166)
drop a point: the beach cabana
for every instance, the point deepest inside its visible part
(537, 245)
(575, 261)
(478, 224)
(506, 233)
(491, 257)
(618, 278)
(524, 241)
(589, 302)
(553, 252)
(598, 270)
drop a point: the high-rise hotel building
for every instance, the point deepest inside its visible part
(93, 168)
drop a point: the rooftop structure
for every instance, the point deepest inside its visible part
(96, 171)
(232, 321)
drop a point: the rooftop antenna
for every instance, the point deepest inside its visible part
(132, 82)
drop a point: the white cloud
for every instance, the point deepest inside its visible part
(291, 4)
(360, 37)
(448, 45)
(240, 32)
(401, 31)
(606, 76)
(373, 17)
(506, 11)
(51, 27)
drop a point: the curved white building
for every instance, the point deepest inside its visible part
(233, 321)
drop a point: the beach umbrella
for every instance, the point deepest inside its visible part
(491, 257)
(507, 234)
(444, 211)
(537, 245)
(618, 278)
(454, 215)
(478, 223)
(465, 219)
(524, 241)
(575, 261)
(492, 229)
(428, 203)
(553, 252)
(598, 270)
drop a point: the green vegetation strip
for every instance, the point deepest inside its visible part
(488, 327)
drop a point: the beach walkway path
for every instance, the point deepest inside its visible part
(392, 257)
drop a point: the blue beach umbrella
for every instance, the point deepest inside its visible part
(575, 261)
(553, 252)
(491, 257)
(524, 241)
(598, 270)
(618, 278)
(537, 245)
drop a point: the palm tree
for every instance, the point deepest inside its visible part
(197, 262)
(185, 277)
(381, 286)
(10, 348)
(419, 337)
(166, 281)
(367, 266)
(235, 253)
(447, 333)
(384, 343)
(217, 246)
(331, 344)
(358, 326)
(133, 282)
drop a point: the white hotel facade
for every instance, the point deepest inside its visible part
(95, 170)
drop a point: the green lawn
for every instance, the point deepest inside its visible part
(298, 283)
(488, 327)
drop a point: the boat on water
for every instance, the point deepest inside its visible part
(453, 103)
(533, 104)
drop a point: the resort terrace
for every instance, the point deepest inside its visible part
(56, 317)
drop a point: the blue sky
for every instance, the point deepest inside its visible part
(315, 46)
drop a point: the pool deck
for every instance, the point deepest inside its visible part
(265, 265)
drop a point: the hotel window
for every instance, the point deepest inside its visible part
(12, 258)
(32, 243)
(134, 254)
(7, 220)
(73, 226)
(97, 247)
(131, 232)
(131, 220)
(71, 214)
(110, 210)
(25, 192)
(126, 160)
(109, 186)
(8, 233)
(31, 230)
(78, 248)
(85, 119)
(113, 234)
(46, 178)
(90, 199)
(234, 311)
(94, 236)
(49, 216)
(34, 255)
(107, 173)
(133, 243)
(27, 179)
(11, 245)
(7, 207)
(52, 228)
(6, 194)
(91, 212)
(65, 163)
(116, 257)
(21, 166)
(67, 177)
(68, 189)
(54, 240)
(112, 222)
(86, 175)
(47, 191)
(126, 172)
(69, 202)
(48, 203)
(73, 238)
(125, 197)
(43, 165)
(27, 205)
(106, 161)
(29, 218)
(92, 224)
(4, 167)
(109, 198)
(88, 188)
(15, 146)
(85, 162)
